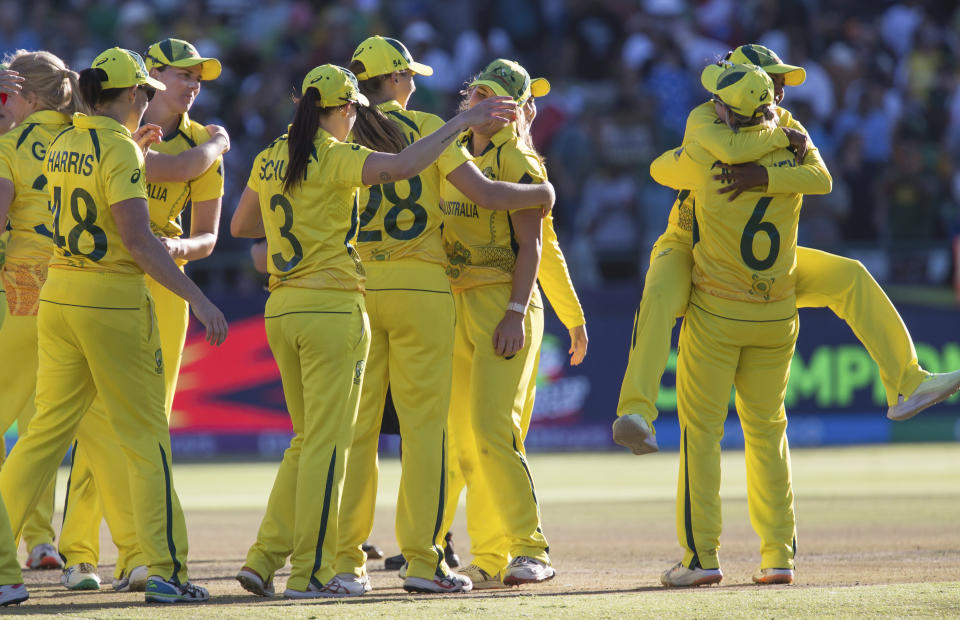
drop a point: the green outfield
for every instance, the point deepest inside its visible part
(877, 525)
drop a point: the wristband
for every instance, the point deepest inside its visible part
(517, 307)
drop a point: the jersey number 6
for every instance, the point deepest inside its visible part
(754, 225)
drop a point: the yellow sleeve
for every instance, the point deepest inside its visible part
(555, 279)
(454, 156)
(811, 177)
(122, 172)
(346, 164)
(430, 123)
(253, 182)
(209, 185)
(728, 146)
(681, 168)
(520, 165)
(8, 157)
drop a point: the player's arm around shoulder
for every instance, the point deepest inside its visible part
(190, 164)
(681, 168)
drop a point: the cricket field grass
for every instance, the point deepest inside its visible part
(878, 535)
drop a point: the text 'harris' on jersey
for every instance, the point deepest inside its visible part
(459, 209)
(71, 162)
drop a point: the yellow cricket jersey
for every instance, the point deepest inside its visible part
(90, 167)
(403, 219)
(745, 250)
(168, 200)
(705, 127)
(310, 232)
(554, 277)
(479, 243)
(22, 151)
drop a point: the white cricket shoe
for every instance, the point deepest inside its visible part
(482, 580)
(341, 586)
(81, 576)
(766, 576)
(936, 388)
(679, 576)
(451, 582)
(44, 557)
(13, 594)
(134, 581)
(632, 430)
(525, 569)
(252, 582)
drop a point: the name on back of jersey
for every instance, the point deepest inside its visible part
(70, 162)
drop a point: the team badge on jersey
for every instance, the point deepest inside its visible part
(761, 286)
(158, 356)
(358, 372)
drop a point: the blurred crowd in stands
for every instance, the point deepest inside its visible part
(880, 100)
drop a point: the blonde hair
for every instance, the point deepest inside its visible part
(49, 79)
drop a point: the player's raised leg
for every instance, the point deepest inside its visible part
(666, 292)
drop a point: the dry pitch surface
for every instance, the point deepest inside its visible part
(878, 535)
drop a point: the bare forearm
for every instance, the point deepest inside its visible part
(157, 263)
(525, 272)
(164, 168)
(504, 196)
(197, 246)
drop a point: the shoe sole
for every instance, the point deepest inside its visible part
(519, 581)
(15, 601)
(253, 586)
(47, 563)
(894, 414)
(633, 438)
(86, 584)
(416, 588)
(172, 598)
(776, 579)
(707, 580)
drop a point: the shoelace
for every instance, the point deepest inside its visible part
(191, 590)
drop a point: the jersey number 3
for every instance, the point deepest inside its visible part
(390, 219)
(282, 264)
(754, 225)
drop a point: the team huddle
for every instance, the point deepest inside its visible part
(404, 252)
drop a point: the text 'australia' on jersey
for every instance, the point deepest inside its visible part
(168, 200)
(89, 167)
(745, 249)
(479, 243)
(403, 219)
(22, 151)
(310, 231)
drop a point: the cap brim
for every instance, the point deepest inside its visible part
(210, 68)
(709, 77)
(155, 83)
(362, 99)
(539, 87)
(497, 89)
(421, 69)
(792, 75)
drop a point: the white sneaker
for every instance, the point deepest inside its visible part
(482, 580)
(252, 582)
(679, 576)
(134, 581)
(765, 576)
(451, 582)
(632, 430)
(341, 586)
(525, 569)
(13, 594)
(44, 557)
(81, 576)
(936, 388)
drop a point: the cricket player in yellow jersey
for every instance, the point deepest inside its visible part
(412, 319)
(739, 330)
(487, 539)
(302, 194)
(41, 110)
(181, 69)
(96, 324)
(492, 263)
(823, 280)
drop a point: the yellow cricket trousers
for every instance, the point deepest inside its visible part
(823, 280)
(9, 566)
(98, 484)
(112, 352)
(485, 432)
(320, 339)
(754, 357)
(411, 351)
(19, 371)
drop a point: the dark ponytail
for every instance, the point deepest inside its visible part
(306, 122)
(373, 129)
(92, 91)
